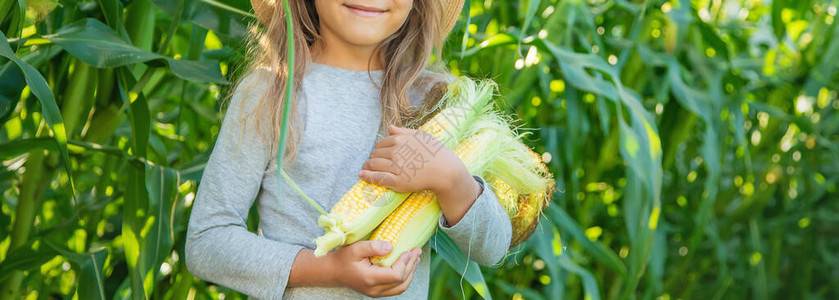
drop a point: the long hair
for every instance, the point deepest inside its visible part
(404, 55)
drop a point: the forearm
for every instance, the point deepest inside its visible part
(233, 257)
(484, 232)
(308, 270)
(456, 200)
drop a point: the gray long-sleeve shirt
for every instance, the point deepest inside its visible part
(340, 112)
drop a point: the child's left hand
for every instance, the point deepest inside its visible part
(412, 160)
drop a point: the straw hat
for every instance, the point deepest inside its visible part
(450, 11)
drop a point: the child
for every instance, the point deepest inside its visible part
(359, 73)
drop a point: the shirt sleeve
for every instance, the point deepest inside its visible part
(219, 247)
(484, 233)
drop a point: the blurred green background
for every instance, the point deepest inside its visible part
(695, 145)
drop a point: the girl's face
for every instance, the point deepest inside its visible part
(362, 22)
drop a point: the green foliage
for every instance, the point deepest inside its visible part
(695, 145)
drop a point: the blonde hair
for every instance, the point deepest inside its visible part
(405, 55)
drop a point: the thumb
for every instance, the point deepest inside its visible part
(372, 248)
(393, 129)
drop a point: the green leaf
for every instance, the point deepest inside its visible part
(598, 251)
(11, 85)
(39, 87)
(469, 269)
(136, 195)
(96, 44)
(92, 277)
(532, 8)
(228, 18)
(162, 186)
(25, 259)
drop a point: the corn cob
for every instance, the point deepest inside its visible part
(415, 220)
(523, 185)
(524, 209)
(365, 205)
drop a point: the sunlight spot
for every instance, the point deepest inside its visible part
(803, 104)
(538, 264)
(682, 201)
(613, 60)
(654, 217)
(165, 269)
(748, 189)
(594, 232)
(771, 178)
(704, 14)
(612, 210)
(557, 244)
(692, 176)
(531, 57)
(666, 7)
(188, 199)
(804, 222)
(824, 97)
(546, 157)
(545, 279)
(710, 52)
(743, 13)
(755, 137)
(557, 85)
(548, 11)
(755, 258)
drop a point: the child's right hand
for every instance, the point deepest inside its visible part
(354, 269)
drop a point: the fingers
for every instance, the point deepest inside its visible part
(394, 130)
(397, 271)
(386, 142)
(381, 165)
(365, 249)
(408, 274)
(386, 153)
(384, 179)
(396, 134)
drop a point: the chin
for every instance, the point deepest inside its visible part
(365, 37)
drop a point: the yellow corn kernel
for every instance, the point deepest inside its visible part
(405, 217)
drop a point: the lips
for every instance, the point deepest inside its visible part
(365, 11)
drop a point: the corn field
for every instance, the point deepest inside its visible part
(695, 145)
